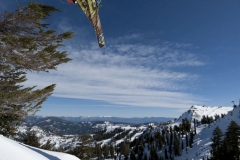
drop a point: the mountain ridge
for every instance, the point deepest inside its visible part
(133, 120)
(113, 133)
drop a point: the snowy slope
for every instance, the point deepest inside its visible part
(202, 141)
(111, 127)
(12, 150)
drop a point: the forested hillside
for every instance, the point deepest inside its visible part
(194, 135)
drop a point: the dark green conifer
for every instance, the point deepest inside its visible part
(125, 150)
(176, 146)
(98, 151)
(232, 139)
(105, 151)
(132, 155)
(26, 44)
(111, 150)
(31, 139)
(47, 145)
(182, 146)
(191, 139)
(186, 137)
(227, 147)
(217, 143)
(166, 153)
(153, 154)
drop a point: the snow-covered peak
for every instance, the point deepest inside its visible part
(197, 112)
(202, 141)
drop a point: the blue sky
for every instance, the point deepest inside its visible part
(161, 57)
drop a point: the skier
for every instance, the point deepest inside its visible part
(90, 9)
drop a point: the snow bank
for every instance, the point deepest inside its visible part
(11, 150)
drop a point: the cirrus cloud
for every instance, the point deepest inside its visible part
(131, 74)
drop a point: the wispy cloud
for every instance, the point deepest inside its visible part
(132, 74)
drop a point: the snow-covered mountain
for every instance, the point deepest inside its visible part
(197, 112)
(43, 128)
(201, 146)
(60, 126)
(202, 141)
(108, 133)
(12, 150)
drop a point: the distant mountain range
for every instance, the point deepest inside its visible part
(134, 120)
(60, 126)
(83, 125)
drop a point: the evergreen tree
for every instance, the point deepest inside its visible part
(153, 154)
(191, 139)
(132, 155)
(31, 139)
(216, 116)
(171, 139)
(234, 106)
(187, 125)
(227, 147)
(47, 145)
(204, 119)
(232, 139)
(111, 150)
(26, 44)
(182, 146)
(166, 153)
(105, 151)
(223, 152)
(82, 152)
(176, 128)
(195, 125)
(176, 146)
(217, 142)
(140, 151)
(125, 150)
(98, 151)
(159, 140)
(180, 128)
(187, 144)
(170, 150)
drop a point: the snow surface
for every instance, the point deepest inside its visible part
(202, 141)
(136, 136)
(12, 150)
